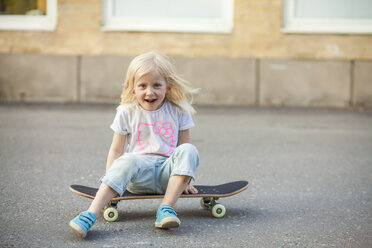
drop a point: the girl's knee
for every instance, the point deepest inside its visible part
(188, 149)
(187, 156)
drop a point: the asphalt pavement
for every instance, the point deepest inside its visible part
(310, 172)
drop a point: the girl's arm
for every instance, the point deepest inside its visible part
(116, 149)
(183, 137)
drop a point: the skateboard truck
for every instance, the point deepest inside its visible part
(209, 203)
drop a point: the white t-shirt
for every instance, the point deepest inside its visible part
(151, 132)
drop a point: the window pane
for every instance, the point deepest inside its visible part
(168, 8)
(334, 9)
(195, 8)
(362, 9)
(23, 7)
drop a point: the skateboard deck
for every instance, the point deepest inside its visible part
(208, 194)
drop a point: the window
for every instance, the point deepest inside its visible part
(214, 16)
(28, 15)
(327, 16)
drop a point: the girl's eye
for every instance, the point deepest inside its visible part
(142, 86)
(157, 85)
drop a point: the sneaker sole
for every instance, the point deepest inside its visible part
(77, 229)
(169, 222)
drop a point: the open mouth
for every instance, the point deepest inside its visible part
(150, 101)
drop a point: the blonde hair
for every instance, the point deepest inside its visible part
(180, 93)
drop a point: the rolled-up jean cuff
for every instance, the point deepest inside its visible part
(183, 173)
(113, 186)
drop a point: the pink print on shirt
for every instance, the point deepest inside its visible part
(154, 138)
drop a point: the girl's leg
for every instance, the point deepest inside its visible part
(166, 217)
(85, 220)
(176, 173)
(120, 174)
(176, 186)
(178, 170)
(103, 196)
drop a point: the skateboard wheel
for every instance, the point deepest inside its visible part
(218, 210)
(111, 214)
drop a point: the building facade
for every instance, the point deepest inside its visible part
(242, 52)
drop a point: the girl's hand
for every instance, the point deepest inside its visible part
(190, 190)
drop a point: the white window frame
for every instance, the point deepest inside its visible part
(46, 22)
(293, 24)
(224, 24)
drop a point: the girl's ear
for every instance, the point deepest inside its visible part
(169, 86)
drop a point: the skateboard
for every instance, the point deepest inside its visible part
(208, 194)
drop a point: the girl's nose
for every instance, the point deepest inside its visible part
(149, 91)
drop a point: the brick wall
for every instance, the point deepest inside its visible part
(256, 34)
(254, 65)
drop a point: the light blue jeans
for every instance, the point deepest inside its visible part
(147, 174)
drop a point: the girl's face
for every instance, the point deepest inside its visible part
(150, 90)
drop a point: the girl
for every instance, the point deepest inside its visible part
(150, 150)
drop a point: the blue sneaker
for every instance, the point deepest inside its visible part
(82, 223)
(166, 217)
